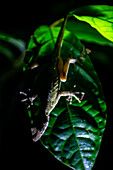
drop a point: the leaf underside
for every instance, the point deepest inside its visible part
(99, 17)
(75, 130)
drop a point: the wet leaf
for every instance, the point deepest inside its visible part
(75, 130)
(99, 17)
(85, 32)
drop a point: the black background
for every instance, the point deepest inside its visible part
(20, 19)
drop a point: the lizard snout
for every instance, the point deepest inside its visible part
(36, 133)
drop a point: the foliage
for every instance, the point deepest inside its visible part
(75, 130)
(99, 17)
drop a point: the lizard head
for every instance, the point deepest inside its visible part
(38, 132)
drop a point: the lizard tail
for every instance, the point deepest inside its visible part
(59, 41)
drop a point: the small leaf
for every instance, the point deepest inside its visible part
(18, 43)
(100, 17)
(12, 54)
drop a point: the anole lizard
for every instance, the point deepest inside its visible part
(49, 83)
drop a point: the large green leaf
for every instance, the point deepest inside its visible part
(75, 130)
(85, 32)
(99, 17)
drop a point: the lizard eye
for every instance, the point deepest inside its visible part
(37, 133)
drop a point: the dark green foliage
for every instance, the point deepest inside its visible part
(75, 130)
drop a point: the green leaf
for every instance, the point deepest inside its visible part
(12, 49)
(75, 129)
(85, 32)
(99, 17)
(18, 43)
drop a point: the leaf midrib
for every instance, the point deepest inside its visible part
(70, 116)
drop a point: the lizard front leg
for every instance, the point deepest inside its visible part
(71, 94)
(34, 65)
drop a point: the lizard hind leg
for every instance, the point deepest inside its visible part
(63, 69)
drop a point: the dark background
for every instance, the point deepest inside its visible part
(20, 19)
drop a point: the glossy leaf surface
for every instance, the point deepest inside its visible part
(86, 32)
(99, 17)
(75, 130)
